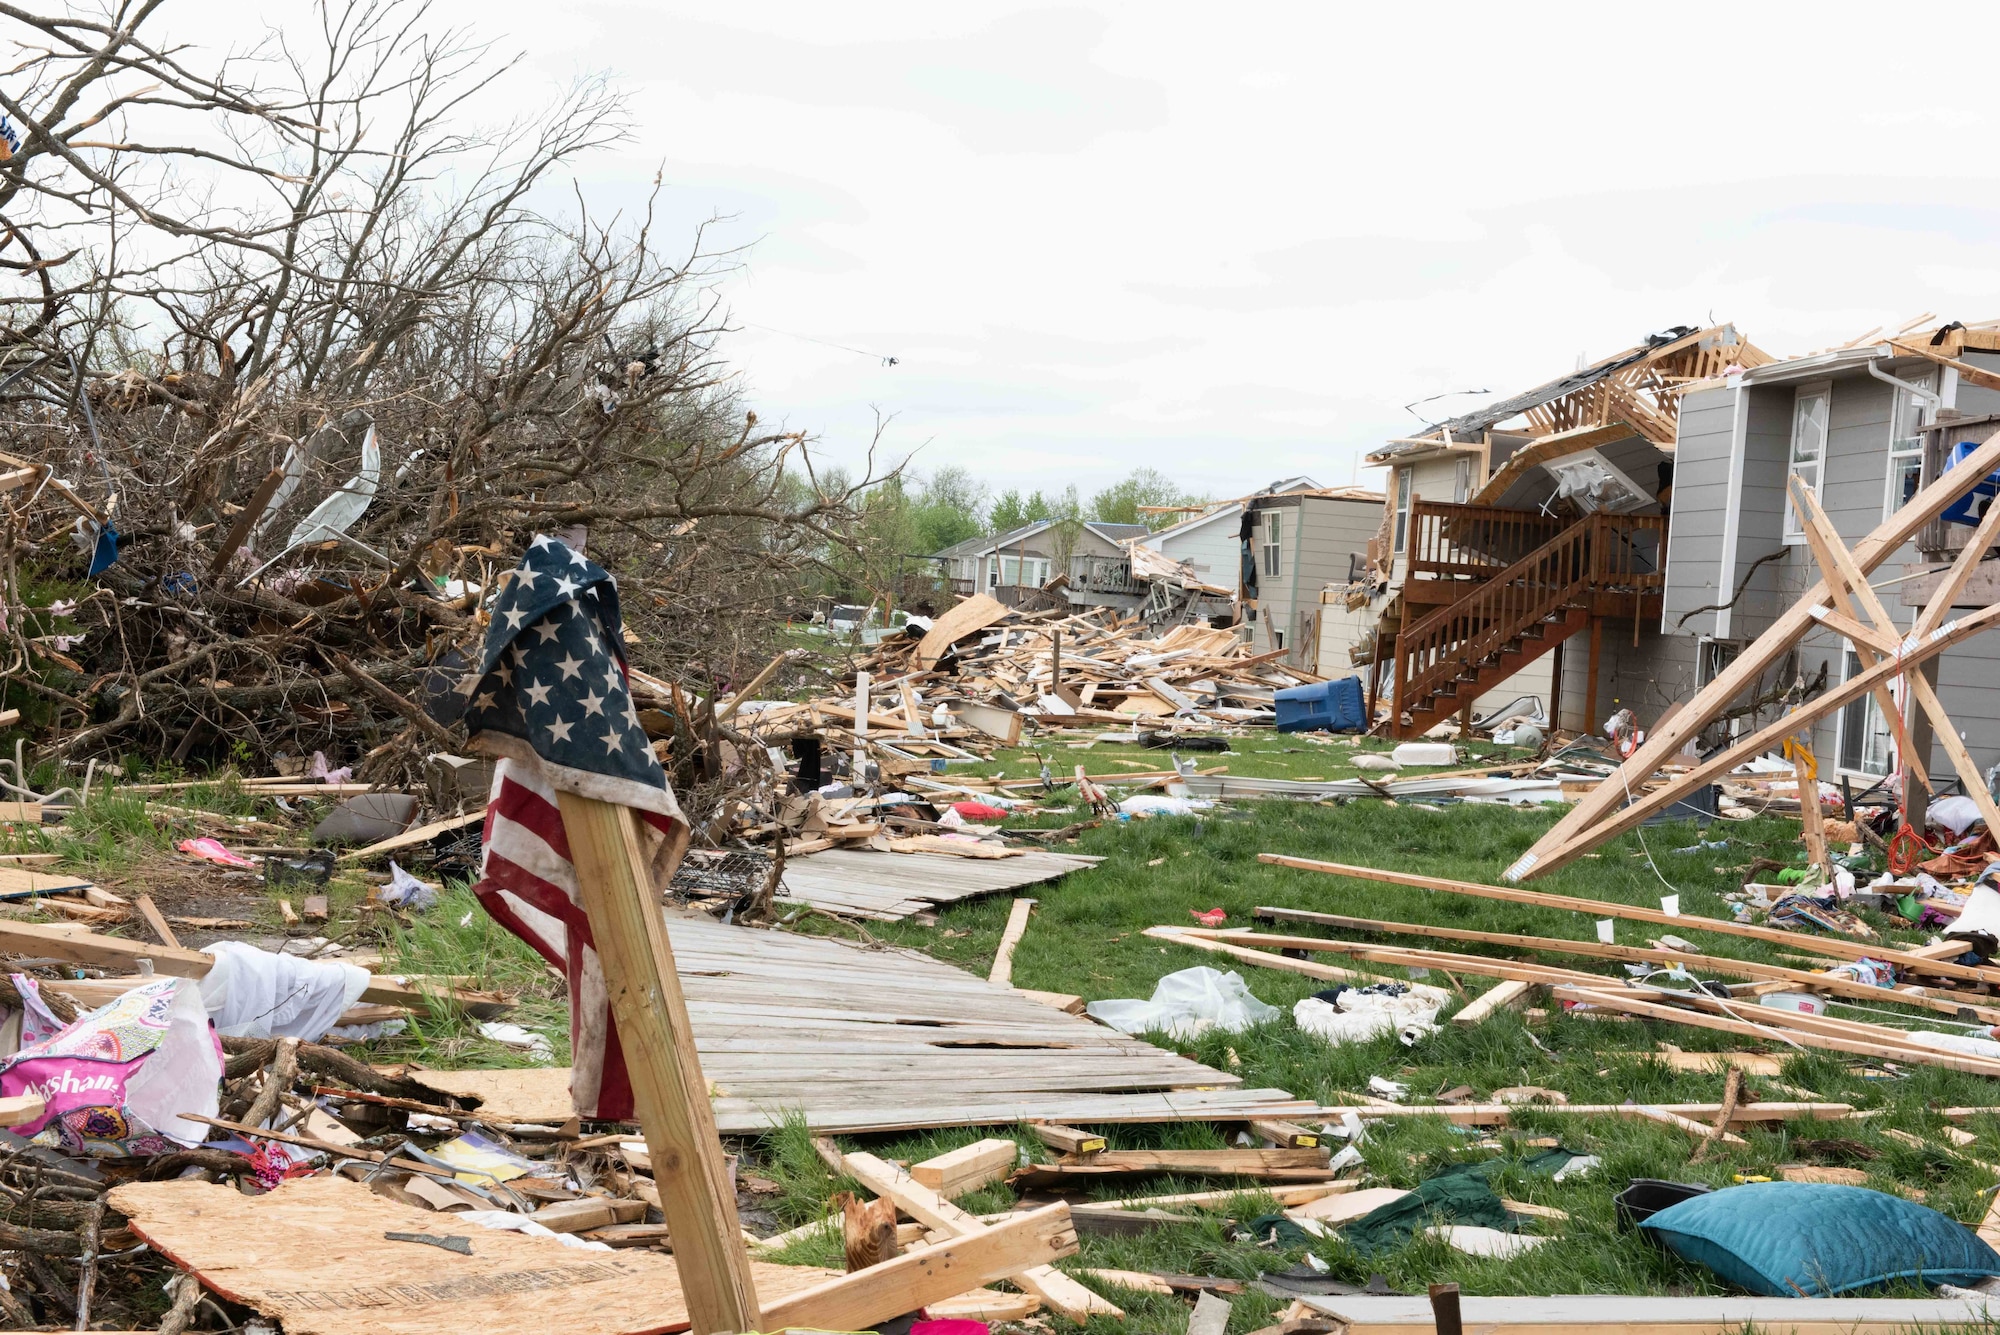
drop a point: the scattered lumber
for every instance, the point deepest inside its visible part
(111, 952)
(1830, 1035)
(1836, 947)
(1036, 1276)
(1067, 1139)
(940, 1271)
(1947, 1003)
(1506, 995)
(968, 1168)
(1003, 955)
(1280, 1165)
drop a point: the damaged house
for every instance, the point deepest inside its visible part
(1864, 426)
(1513, 532)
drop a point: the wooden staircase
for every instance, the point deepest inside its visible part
(1473, 644)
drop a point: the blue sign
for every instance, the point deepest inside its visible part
(1971, 507)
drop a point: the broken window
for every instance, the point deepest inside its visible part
(1274, 542)
(1906, 446)
(1402, 509)
(1809, 416)
(1461, 486)
(1865, 741)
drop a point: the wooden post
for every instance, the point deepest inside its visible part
(1811, 816)
(1917, 797)
(860, 706)
(1055, 664)
(1590, 674)
(1445, 1309)
(628, 928)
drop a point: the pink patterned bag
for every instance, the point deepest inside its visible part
(118, 1081)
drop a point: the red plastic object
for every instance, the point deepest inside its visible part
(1906, 849)
(979, 811)
(953, 1326)
(1212, 918)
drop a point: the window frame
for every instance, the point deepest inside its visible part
(1461, 481)
(1405, 491)
(1271, 564)
(1868, 714)
(1913, 450)
(1822, 390)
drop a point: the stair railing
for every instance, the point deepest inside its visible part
(1595, 553)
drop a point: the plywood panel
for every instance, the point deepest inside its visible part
(313, 1255)
(867, 883)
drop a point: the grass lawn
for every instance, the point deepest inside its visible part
(1087, 938)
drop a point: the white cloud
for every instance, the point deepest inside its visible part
(1230, 244)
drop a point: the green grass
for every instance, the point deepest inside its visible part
(1087, 938)
(1261, 755)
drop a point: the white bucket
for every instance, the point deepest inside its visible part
(1803, 1002)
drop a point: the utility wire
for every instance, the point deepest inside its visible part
(885, 359)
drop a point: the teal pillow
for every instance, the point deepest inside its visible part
(1815, 1239)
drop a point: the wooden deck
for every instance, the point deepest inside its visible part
(863, 1040)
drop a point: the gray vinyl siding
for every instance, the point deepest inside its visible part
(1700, 504)
(1320, 535)
(1972, 400)
(1857, 458)
(1761, 520)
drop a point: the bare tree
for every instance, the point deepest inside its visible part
(247, 291)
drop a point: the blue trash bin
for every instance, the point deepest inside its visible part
(1326, 706)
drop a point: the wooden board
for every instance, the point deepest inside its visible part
(312, 1255)
(967, 1168)
(968, 618)
(879, 1040)
(865, 883)
(1652, 1314)
(18, 883)
(422, 834)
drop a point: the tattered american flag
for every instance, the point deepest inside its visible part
(549, 698)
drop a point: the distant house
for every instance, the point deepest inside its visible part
(1211, 540)
(1027, 557)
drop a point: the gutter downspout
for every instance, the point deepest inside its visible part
(1917, 391)
(1731, 515)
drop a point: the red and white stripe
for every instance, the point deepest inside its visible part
(528, 884)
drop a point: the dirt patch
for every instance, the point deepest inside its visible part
(186, 888)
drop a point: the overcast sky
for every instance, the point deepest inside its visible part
(1230, 242)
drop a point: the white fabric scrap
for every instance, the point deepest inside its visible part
(252, 993)
(1363, 1016)
(1187, 1003)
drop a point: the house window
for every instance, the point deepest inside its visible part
(1715, 656)
(1277, 638)
(1032, 571)
(1906, 447)
(1808, 461)
(1402, 509)
(1274, 543)
(1461, 486)
(1865, 741)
